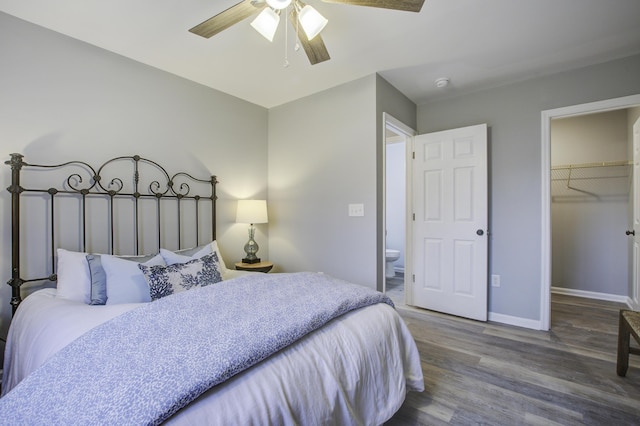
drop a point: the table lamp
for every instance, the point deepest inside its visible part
(251, 212)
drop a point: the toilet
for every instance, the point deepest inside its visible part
(391, 256)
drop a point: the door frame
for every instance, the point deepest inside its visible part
(547, 116)
(399, 127)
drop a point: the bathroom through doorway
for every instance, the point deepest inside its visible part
(397, 148)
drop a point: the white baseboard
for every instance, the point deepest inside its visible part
(592, 295)
(517, 321)
(537, 325)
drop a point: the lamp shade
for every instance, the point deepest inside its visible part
(312, 21)
(266, 23)
(252, 211)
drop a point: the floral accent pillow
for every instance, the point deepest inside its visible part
(166, 280)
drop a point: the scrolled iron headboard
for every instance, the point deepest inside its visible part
(96, 183)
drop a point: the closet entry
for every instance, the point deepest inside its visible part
(591, 184)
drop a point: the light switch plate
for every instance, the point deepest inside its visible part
(356, 209)
(495, 280)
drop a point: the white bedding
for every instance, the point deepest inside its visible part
(355, 370)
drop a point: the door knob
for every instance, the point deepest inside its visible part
(480, 232)
(632, 232)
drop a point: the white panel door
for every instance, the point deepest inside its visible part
(636, 214)
(450, 245)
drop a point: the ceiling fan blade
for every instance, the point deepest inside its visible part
(315, 49)
(408, 5)
(229, 17)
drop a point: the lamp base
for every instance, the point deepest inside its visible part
(247, 260)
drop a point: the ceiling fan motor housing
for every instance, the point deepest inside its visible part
(278, 4)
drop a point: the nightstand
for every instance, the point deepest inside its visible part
(254, 267)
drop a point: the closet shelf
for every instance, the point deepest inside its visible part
(593, 165)
(607, 178)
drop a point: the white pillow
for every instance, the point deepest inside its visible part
(214, 248)
(183, 256)
(125, 281)
(74, 278)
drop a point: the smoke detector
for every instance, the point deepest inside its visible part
(442, 82)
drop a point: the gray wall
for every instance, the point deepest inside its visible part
(324, 153)
(513, 114)
(63, 99)
(322, 157)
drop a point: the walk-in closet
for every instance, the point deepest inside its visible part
(591, 184)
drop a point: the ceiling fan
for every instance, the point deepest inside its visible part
(301, 15)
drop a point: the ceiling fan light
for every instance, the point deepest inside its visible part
(312, 21)
(278, 4)
(266, 23)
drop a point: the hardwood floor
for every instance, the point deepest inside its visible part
(492, 374)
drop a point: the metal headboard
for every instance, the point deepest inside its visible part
(174, 187)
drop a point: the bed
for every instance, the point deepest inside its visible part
(120, 340)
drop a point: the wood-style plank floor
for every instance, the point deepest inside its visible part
(492, 374)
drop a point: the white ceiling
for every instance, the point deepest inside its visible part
(476, 43)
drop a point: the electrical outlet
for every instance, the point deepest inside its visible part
(356, 209)
(495, 280)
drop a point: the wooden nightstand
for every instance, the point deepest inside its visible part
(254, 267)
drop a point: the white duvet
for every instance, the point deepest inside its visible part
(355, 370)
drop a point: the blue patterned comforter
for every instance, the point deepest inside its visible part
(143, 366)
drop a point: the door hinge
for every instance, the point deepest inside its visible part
(413, 155)
(414, 217)
(413, 278)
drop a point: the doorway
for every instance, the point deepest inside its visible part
(590, 188)
(396, 153)
(547, 118)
